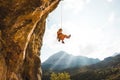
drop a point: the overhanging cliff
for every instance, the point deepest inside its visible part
(22, 26)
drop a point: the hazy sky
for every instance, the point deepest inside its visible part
(93, 24)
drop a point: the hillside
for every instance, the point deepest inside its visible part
(63, 60)
(108, 69)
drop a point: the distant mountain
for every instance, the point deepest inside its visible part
(115, 54)
(112, 61)
(108, 69)
(63, 60)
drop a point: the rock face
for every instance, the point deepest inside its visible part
(22, 26)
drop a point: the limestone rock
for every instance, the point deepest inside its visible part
(22, 26)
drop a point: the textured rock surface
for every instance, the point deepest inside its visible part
(22, 25)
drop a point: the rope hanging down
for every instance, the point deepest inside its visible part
(61, 14)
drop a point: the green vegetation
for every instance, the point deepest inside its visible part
(60, 76)
(98, 74)
(108, 69)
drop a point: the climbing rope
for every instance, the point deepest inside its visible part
(61, 14)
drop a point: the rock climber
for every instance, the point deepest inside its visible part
(61, 36)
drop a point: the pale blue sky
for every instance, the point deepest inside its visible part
(93, 24)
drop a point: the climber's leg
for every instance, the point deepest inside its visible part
(59, 40)
(63, 42)
(67, 36)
